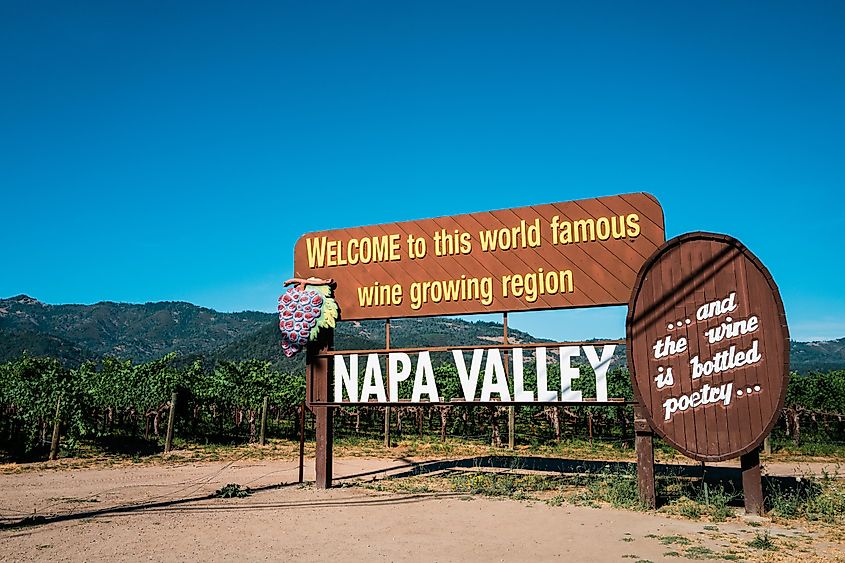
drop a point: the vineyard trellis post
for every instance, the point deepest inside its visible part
(262, 433)
(171, 420)
(54, 442)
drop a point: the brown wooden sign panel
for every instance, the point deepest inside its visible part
(570, 254)
(708, 346)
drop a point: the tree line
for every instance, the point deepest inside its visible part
(43, 403)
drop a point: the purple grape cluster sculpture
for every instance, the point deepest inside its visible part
(303, 310)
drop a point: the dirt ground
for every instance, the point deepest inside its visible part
(161, 512)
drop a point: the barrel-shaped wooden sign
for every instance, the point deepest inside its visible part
(708, 346)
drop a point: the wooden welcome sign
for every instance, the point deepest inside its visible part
(706, 333)
(558, 255)
(570, 254)
(708, 346)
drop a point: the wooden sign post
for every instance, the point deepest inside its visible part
(317, 372)
(708, 351)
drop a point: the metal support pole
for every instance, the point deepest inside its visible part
(302, 442)
(387, 409)
(511, 409)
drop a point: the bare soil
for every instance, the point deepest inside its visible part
(162, 512)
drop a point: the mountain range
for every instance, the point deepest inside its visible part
(143, 332)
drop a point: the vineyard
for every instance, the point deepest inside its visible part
(50, 410)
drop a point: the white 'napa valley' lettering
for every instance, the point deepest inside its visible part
(495, 381)
(347, 378)
(494, 384)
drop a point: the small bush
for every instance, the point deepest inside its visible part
(762, 541)
(232, 490)
(691, 510)
(814, 498)
(618, 489)
(700, 552)
(671, 540)
(720, 514)
(501, 484)
(716, 496)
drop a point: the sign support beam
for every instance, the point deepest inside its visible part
(318, 372)
(511, 409)
(644, 444)
(325, 444)
(387, 409)
(752, 482)
(302, 442)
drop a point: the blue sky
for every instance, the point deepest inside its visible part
(176, 151)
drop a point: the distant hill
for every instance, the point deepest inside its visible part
(369, 335)
(13, 344)
(142, 332)
(817, 356)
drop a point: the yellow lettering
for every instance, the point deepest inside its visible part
(378, 295)
(603, 228)
(633, 225)
(534, 284)
(516, 286)
(331, 257)
(380, 248)
(316, 252)
(582, 228)
(394, 248)
(365, 296)
(566, 232)
(466, 243)
(352, 251)
(618, 226)
(488, 240)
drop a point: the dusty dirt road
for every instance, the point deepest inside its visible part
(159, 513)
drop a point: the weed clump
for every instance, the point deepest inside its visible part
(814, 498)
(762, 541)
(501, 484)
(232, 490)
(619, 489)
